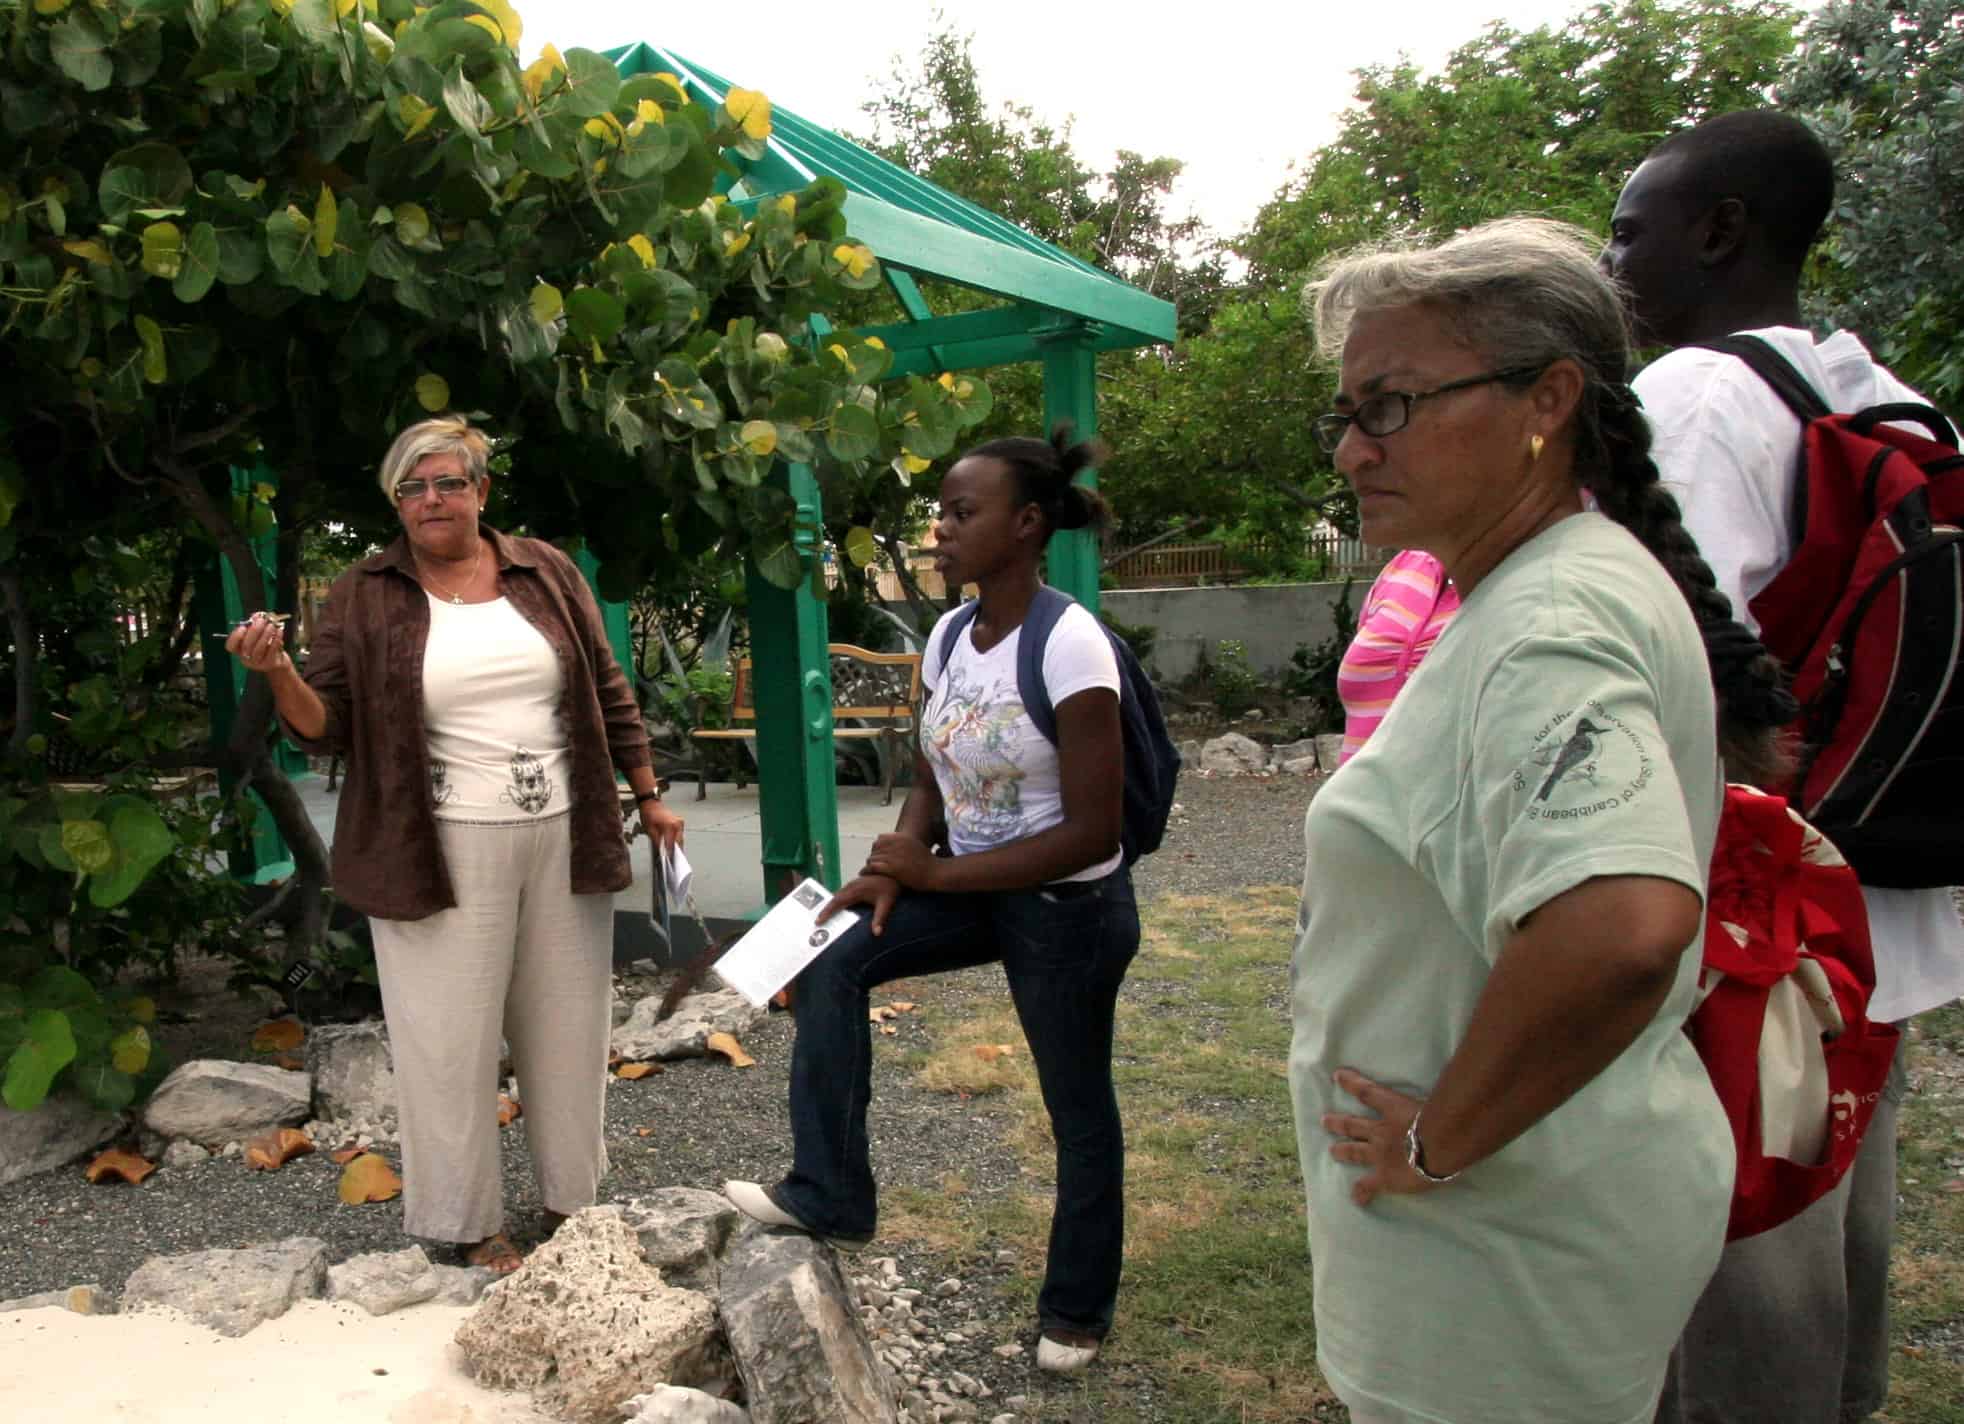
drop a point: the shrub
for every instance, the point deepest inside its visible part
(1236, 688)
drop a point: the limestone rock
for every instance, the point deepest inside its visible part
(185, 1154)
(90, 1299)
(53, 1135)
(671, 1404)
(682, 1231)
(1283, 753)
(1329, 750)
(1301, 766)
(587, 1324)
(462, 1285)
(214, 1102)
(232, 1291)
(354, 1072)
(1231, 753)
(686, 1034)
(1190, 750)
(799, 1344)
(381, 1282)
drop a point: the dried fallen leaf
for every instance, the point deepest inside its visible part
(127, 1165)
(614, 1058)
(369, 1178)
(288, 1061)
(342, 1156)
(889, 1030)
(990, 1052)
(510, 1110)
(270, 1151)
(903, 1006)
(880, 1013)
(781, 999)
(727, 1045)
(632, 1071)
(279, 1036)
(644, 1132)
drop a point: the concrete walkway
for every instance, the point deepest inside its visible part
(723, 836)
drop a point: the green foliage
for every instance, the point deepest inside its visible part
(371, 220)
(700, 699)
(1884, 82)
(1313, 670)
(1235, 687)
(56, 1029)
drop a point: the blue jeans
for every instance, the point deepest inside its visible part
(1065, 951)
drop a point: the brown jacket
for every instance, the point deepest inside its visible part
(366, 664)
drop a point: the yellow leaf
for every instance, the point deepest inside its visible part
(642, 248)
(127, 1165)
(344, 8)
(915, 464)
(845, 358)
(415, 114)
(50, 7)
(759, 437)
(648, 112)
(156, 366)
(270, 1151)
(142, 1008)
(432, 392)
(283, 7)
(606, 128)
(946, 380)
(368, 1178)
(674, 82)
(727, 1045)
(412, 224)
(856, 258)
(129, 1051)
(788, 205)
(327, 219)
(751, 110)
(163, 250)
(540, 71)
(505, 26)
(547, 303)
(735, 242)
(964, 389)
(89, 250)
(633, 1071)
(279, 1036)
(876, 343)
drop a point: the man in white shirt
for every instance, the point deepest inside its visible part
(1709, 237)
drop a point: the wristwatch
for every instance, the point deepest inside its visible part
(642, 798)
(1415, 1154)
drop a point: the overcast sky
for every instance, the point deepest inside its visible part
(1238, 90)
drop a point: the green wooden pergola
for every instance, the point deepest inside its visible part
(1052, 309)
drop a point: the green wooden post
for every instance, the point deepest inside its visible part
(791, 674)
(220, 606)
(1070, 392)
(620, 636)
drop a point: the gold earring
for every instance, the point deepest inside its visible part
(1535, 443)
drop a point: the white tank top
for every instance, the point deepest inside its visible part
(491, 689)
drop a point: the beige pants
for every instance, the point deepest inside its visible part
(521, 955)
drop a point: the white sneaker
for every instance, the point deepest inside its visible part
(1060, 1359)
(758, 1204)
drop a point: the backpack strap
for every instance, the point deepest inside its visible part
(1045, 609)
(964, 616)
(1774, 369)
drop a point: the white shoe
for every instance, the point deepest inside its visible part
(758, 1204)
(1058, 1358)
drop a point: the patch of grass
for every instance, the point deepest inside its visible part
(1926, 1366)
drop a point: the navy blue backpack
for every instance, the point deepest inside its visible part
(1152, 762)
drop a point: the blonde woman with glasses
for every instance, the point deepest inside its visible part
(466, 677)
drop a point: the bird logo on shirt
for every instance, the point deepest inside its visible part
(1577, 751)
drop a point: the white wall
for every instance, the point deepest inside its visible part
(1271, 620)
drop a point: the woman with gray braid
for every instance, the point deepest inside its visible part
(1518, 1174)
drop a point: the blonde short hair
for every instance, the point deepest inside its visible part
(439, 435)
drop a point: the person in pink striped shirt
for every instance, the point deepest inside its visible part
(1404, 613)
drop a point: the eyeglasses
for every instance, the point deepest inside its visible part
(1389, 412)
(442, 484)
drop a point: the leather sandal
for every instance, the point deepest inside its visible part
(495, 1254)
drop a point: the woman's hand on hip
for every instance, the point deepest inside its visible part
(878, 891)
(905, 859)
(663, 826)
(1376, 1143)
(259, 643)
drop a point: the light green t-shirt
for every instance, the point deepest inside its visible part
(1562, 729)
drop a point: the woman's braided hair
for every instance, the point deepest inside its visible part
(1046, 474)
(1525, 292)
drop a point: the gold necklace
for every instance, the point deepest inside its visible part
(455, 598)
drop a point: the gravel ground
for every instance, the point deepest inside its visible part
(705, 1122)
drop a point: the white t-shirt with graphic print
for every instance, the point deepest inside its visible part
(998, 774)
(491, 690)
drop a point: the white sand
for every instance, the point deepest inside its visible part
(319, 1363)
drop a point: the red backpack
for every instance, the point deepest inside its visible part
(1868, 617)
(1783, 1023)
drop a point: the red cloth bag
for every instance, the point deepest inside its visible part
(1783, 1024)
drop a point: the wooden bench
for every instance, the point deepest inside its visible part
(882, 689)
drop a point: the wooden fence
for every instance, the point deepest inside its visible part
(1189, 565)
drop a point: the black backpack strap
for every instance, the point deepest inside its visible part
(1774, 369)
(964, 616)
(1045, 609)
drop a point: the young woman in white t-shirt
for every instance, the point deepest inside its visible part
(1033, 878)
